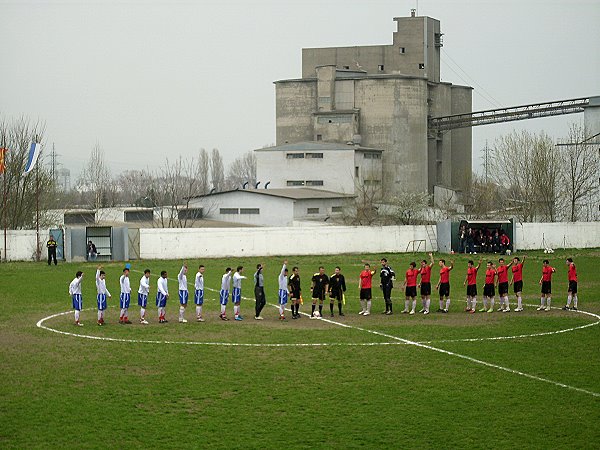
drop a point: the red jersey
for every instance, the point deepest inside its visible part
(502, 274)
(472, 276)
(489, 276)
(411, 277)
(517, 271)
(547, 273)
(425, 274)
(572, 272)
(445, 275)
(366, 277)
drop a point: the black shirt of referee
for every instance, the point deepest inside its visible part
(320, 282)
(337, 286)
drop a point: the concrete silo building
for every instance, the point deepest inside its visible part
(378, 98)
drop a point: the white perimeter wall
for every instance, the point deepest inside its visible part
(534, 236)
(20, 245)
(160, 243)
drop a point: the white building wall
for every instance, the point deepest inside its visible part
(20, 245)
(301, 208)
(336, 169)
(168, 243)
(535, 236)
(274, 211)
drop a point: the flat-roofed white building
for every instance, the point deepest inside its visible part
(271, 207)
(319, 165)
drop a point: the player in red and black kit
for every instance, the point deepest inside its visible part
(410, 285)
(443, 285)
(471, 283)
(546, 283)
(502, 283)
(425, 285)
(572, 292)
(319, 287)
(364, 284)
(517, 281)
(489, 292)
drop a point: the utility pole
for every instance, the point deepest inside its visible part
(486, 152)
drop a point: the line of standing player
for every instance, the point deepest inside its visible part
(334, 286)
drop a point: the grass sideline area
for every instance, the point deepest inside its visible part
(354, 387)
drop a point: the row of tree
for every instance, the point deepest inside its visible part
(529, 177)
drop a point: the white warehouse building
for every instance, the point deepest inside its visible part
(326, 166)
(271, 207)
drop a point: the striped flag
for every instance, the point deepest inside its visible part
(34, 152)
(2, 162)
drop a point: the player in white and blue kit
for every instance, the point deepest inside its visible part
(224, 293)
(143, 292)
(183, 293)
(102, 294)
(75, 293)
(236, 295)
(199, 293)
(162, 294)
(282, 297)
(124, 297)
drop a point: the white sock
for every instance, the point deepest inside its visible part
(506, 302)
(543, 301)
(406, 303)
(76, 316)
(427, 303)
(485, 302)
(281, 309)
(126, 312)
(223, 310)
(142, 313)
(414, 305)
(492, 301)
(447, 303)
(548, 301)
(569, 300)
(181, 311)
(441, 303)
(368, 306)
(159, 312)
(99, 314)
(474, 303)
(575, 301)
(362, 305)
(236, 309)
(519, 302)
(198, 310)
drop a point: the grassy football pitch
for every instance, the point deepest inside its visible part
(457, 380)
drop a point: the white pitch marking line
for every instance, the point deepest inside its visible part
(40, 324)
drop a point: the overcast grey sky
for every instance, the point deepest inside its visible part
(150, 79)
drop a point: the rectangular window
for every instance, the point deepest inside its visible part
(319, 137)
(380, 67)
(356, 172)
(312, 210)
(402, 50)
(422, 66)
(190, 214)
(294, 155)
(315, 155)
(249, 210)
(295, 182)
(314, 182)
(229, 211)
(372, 182)
(372, 156)
(336, 209)
(347, 67)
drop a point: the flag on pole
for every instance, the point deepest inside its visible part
(2, 162)
(34, 152)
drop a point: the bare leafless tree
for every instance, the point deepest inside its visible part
(96, 182)
(16, 135)
(580, 169)
(410, 208)
(217, 170)
(242, 170)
